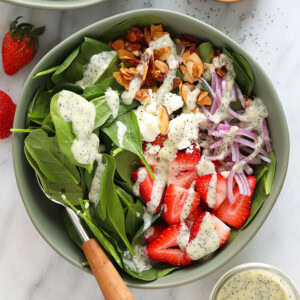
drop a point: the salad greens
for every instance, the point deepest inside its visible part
(116, 218)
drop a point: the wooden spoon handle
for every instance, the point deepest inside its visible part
(109, 280)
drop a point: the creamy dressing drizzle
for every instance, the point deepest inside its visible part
(139, 262)
(142, 175)
(174, 59)
(205, 167)
(81, 113)
(113, 101)
(256, 284)
(211, 193)
(149, 232)
(191, 101)
(166, 86)
(121, 132)
(96, 67)
(188, 203)
(96, 182)
(183, 237)
(206, 241)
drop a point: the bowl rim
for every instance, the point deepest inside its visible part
(54, 5)
(263, 214)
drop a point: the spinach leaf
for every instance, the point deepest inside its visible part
(40, 107)
(30, 108)
(66, 86)
(206, 50)
(270, 173)
(46, 72)
(58, 75)
(233, 234)
(103, 112)
(258, 199)
(55, 190)
(52, 163)
(27, 130)
(98, 90)
(134, 217)
(64, 133)
(128, 187)
(260, 172)
(119, 30)
(115, 219)
(132, 137)
(127, 162)
(242, 78)
(48, 125)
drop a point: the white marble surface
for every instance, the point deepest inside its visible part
(269, 30)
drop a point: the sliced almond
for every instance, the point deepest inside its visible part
(155, 28)
(204, 99)
(128, 74)
(186, 75)
(176, 82)
(118, 45)
(134, 35)
(143, 96)
(147, 36)
(154, 88)
(133, 47)
(120, 79)
(158, 35)
(163, 53)
(183, 42)
(195, 58)
(163, 120)
(161, 66)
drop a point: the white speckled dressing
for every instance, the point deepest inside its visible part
(206, 241)
(188, 203)
(254, 114)
(211, 193)
(160, 182)
(227, 141)
(96, 182)
(96, 67)
(256, 284)
(191, 100)
(205, 167)
(149, 232)
(166, 86)
(139, 262)
(172, 102)
(74, 108)
(121, 132)
(222, 111)
(113, 101)
(174, 59)
(142, 175)
(183, 237)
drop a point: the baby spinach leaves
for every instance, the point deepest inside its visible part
(132, 137)
(244, 75)
(206, 50)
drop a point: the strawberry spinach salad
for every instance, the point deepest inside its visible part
(156, 140)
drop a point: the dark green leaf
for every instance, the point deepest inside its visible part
(119, 30)
(46, 72)
(103, 112)
(48, 125)
(206, 50)
(270, 173)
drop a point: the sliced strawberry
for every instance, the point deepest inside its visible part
(154, 232)
(237, 213)
(152, 159)
(159, 141)
(202, 185)
(193, 216)
(183, 169)
(221, 229)
(165, 248)
(146, 187)
(174, 203)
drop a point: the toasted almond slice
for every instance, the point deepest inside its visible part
(132, 47)
(204, 99)
(186, 75)
(120, 79)
(123, 53)
(154, 88)
(195, 58)
(163, 120)
(185, 56)
(221, 72)
(155, 28)
(158, 35)
(147, 36)
(163, 53)
(198, 70)
(183, 42)
(134, 35)
(143, 96)
(184, 91)
(161, 66)
(176, 82)
(118, 45)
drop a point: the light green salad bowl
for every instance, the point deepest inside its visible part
(47, 217)
(54, 4)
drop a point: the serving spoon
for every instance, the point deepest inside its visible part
(109, 280)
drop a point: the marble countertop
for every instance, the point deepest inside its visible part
(269, 31)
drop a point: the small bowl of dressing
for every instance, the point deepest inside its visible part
(254, 281)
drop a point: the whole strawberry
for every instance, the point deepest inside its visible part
(19, 46)
(7, 113)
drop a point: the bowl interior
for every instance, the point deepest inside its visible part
(47, 217)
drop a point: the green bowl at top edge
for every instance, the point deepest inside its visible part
(46, 216)
(54, 4)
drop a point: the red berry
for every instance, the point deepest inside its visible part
(7, 113)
